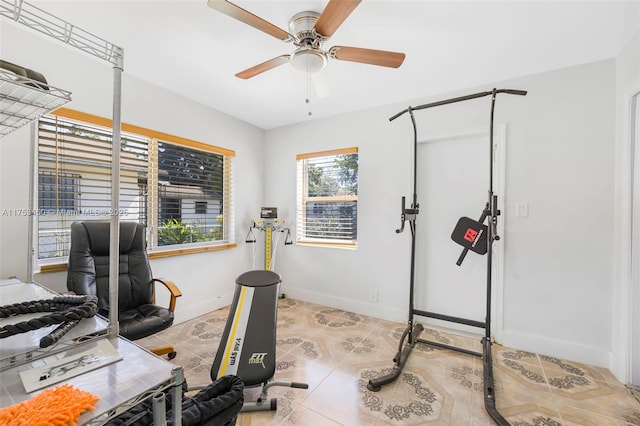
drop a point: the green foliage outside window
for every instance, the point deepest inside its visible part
(173, 231)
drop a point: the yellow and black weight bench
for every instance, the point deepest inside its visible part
(248, 346)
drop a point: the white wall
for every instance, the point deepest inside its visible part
(558, 262)
(341, 277)
(207, 280)
(558, 270)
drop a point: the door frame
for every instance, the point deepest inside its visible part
(632, 293)
(499, 187)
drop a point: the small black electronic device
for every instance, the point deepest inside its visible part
(269, 213)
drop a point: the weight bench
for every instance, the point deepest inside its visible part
(248, 345)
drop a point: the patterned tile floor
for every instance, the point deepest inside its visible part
(336, 352)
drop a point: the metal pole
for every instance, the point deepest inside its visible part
(176, 394)
(492, 222)
(440, 103)
(33, 203)
(114, 232)
(412, 224)
(487, 357)
(158, 409)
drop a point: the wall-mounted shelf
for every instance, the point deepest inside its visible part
(23, 100)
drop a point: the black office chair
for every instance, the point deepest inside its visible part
(88, 273)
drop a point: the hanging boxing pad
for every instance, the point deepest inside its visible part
(471, 235)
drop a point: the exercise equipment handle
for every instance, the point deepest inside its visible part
(462, 256)
(57, 334)
(402, 217)
(287, 238)
(512, 92)
(250, 238)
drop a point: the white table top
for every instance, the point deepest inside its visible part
(14, 291)
(139, 375)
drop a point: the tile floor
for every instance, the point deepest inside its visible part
(336, 352)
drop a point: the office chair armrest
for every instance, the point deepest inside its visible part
(173, 289)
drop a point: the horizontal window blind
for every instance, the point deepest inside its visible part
(74, 180)
(182, 192)
(192, 195)
(328, 197)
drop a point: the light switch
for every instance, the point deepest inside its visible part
(522, 210)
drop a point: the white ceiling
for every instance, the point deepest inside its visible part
(191, 49)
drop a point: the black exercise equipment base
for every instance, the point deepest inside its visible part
(405, 349)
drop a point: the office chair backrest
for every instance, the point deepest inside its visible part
(88, 271)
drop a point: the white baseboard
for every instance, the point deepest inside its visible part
(562, 349)
(363, 308)
(377, 311)
(201, 308)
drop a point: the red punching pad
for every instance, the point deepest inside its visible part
(471, 235)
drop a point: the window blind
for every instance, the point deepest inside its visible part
(181, 190)
(74, 180)
(328, 197)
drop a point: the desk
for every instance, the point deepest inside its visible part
(138, 376)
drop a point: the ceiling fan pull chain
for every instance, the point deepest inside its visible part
(308, 102)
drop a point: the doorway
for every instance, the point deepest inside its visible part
(453, 180)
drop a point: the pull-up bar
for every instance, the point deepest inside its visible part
(460, 99)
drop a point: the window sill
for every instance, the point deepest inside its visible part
(59, 267)
(347, 246)
(53, 267)
(179, 252)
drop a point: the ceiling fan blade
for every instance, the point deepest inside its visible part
(334, 15)
(249, 18)
(367, 56)
(265, 66)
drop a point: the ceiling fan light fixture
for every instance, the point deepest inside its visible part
(308, 60)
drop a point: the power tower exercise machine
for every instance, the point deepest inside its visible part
(269, 224)
(472, 235)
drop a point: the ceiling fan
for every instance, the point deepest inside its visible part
(309, 30)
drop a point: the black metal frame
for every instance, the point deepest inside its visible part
(413, 330)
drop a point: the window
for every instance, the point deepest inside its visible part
(201, 207)
(180, 189)
(58, 192)
(328, 198)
